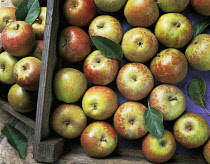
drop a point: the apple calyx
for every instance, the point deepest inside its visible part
(66, 123)
(103, 139)
(2, 67)
(74, 4)
(177, 24)
(134, 78)
(162, 143)
(172, 98)
(188, 127)
(94, 106)
(100, 26)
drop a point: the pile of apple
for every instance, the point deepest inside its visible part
(101, 97)
(20, 57)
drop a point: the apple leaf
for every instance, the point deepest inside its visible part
(110, 48)
(200, 25)
(28, 10)
(197, 90)
(154, 121)
(16, 139)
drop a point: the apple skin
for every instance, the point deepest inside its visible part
(141, 13)
(159, 150)
(79, 12)
(74, 44)
(201, 6)
(26, 73)
(39, 24)
(106, 26)
(7, 15)
(110, 5)
(173, 6)
(173, 30)
(100, 69)
(129, 121)
(1, 48)
(169, 66)
(7, 63)
(69, 85)
(134, 81)
(169, 100)
(38, 48)
(68, 120)
(206, 151)
(139, 45)
(18, 38)
(21, 100)
(198, 52)
(99, 102)
(191, 130)
(99, 139)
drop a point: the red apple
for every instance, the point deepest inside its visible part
(100, 69)
(135, 81)
(68, 120)
(99, 102)
(79, 12)
(27, 73)
(201, 6)
(18, 38)
(169, 66)
(74, 44)
(159, 150)
(38, 48)
(129, 121)
(99, 139)
(206, 151)
(191, 130)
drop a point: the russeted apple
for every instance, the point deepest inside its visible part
(206, 151)
(110, 5)
(201, 6)
(38, 48)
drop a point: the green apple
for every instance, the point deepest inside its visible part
(201, 6)
(69, 85)
(7, 63)
(142, 13)
(169, 100)
(173, 30)
(129, 121)
(139, 45)
(198, 52)
(99, 102)
(191, 130)
(173, 6)
(21, 100)
(106, 26)
(110, 5)
(159, 150)
(68, 120)
(206, 151)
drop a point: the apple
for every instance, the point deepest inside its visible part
(1, 48)
(79, 12)
(99, 102)
(134, 81)
(21, 100)
(100, 69)
(7, 63)
(110, 5)
(173, 6)
(70, 85)
(201, 6)
(106, 26)
(198, 52)
(99, 139)
(7, 15)
(206, 151)
(39, 24)
(129, 121)
(142, 13)
(38, 48)
(191, 130)
(18, 38)
(26, 73)
(68, 120)
(169, 100)
(139, 45)
(74, 44)
(173, 30)
(169, 66)
(159, 150)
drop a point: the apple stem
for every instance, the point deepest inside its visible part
(172, 98)
(207, 111)
(17, 27)
(39, 21)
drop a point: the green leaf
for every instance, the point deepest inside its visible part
(197, 90)
(16, 139)
(28, 10)
(200, 25)
(154, 121)
(110, 48)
